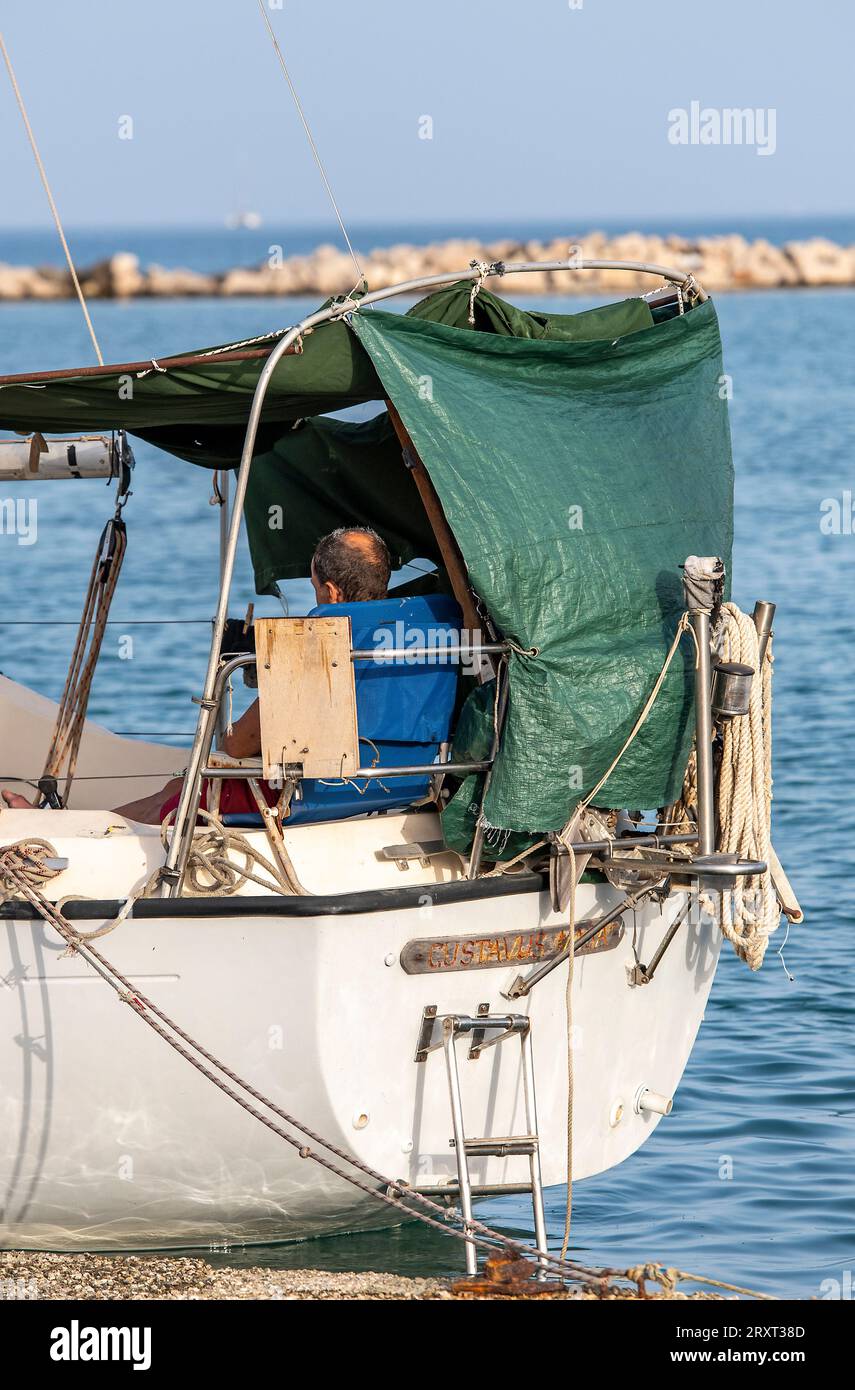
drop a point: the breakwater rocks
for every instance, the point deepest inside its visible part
(720, 263)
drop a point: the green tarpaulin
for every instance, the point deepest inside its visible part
(326, 473)
(494, 315)
(579, 459)
(576, 476)
(199, 412)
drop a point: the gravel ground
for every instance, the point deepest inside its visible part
(25, 1274)
(43, 1276)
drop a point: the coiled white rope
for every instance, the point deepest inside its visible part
(752, 911)
(211, 871)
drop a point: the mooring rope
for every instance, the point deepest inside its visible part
(22, 868)
(566, 835)
(56, 217)
(682, 626)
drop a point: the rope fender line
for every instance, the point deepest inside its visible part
(22, 866)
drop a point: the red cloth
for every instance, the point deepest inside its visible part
(235, 798)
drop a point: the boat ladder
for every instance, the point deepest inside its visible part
(487, 1030)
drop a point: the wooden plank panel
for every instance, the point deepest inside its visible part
(307, 696)
(452, 558)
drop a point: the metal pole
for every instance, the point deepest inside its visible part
(360, 774)
(398, 653)
(224, 479)
(463, 1184)
(682, 278)
(764, 616)
(700, 621)
(534, 1156)
(188, 805)
(477, 849)
(521, 987)
(650, 970)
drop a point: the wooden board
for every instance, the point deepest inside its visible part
(307, 696)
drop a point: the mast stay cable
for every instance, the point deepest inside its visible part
(56, 217)
(301, 113)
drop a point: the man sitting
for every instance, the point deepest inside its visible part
(350, 565)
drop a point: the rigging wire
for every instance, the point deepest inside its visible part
(41, 168)
(310, 138)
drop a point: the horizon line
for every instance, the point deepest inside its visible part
(591, 221)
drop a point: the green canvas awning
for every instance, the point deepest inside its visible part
(199, 412)
(493, 315)
(576, 476)
(326, 473)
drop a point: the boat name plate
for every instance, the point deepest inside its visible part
(433, 954)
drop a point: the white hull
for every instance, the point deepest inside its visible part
(110, 1140)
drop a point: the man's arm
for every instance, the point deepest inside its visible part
(244, 741)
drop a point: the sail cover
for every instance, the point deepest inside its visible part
(576, 476)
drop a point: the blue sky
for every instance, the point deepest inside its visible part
(538, 107)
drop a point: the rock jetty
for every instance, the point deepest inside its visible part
(719, 262)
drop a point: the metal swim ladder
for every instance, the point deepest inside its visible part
(501, 1027)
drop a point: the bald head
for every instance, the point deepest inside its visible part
(351, 565)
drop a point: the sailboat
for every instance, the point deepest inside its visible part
(453, 888)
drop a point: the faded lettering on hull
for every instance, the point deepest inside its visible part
(426, 956)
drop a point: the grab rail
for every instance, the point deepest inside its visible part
(252, 768)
